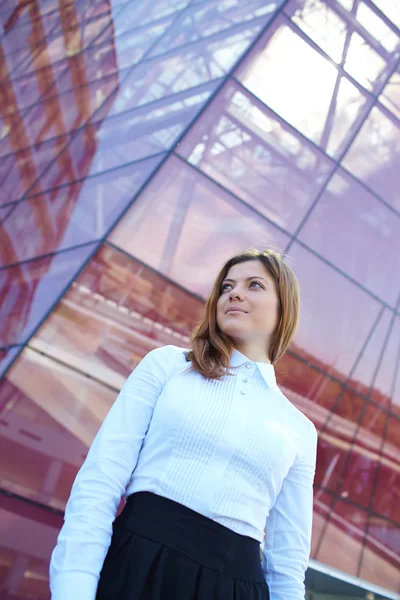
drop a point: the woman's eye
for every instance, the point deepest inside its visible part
(256, 283)
(225, 287)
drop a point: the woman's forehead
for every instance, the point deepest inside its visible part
(250, 268)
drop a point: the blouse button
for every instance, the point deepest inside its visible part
(248, 366)
(245, 380)
(242, 392)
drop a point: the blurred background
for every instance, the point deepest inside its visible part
(141, 143)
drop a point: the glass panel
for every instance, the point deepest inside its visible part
(345, 224)
(374, 156)
(27, 25)
(184, 69)
(114, 313)
(7, 356)
(20, 93)
(342, 543)
(330, 462)
(346, 324)
(306, 386)
(71, 215)
(390, 96)
(5, 211)
(391, 445)
(246, 148)
(77, 14)
(28, 535)
(146, 11)
(343, 39)
(28, 291)
(381, 559)
(199, 22)
(363, 375)
(61, 114)
(390, 9)
(185, 225)
(322, 506)
(9, 124)
(111, 56)
(19, 171)
(372, 427)
(50, 418)
(329, 113)
(71, 41)
(395, 404)
(346, 414)
(14, 64)
(386, 502)
(128, 137)
(359, 477)
(384, 382)
(338, 438)
(388, 482)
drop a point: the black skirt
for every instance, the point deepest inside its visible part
(161, 550)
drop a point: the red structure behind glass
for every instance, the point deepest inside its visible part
(142, 142)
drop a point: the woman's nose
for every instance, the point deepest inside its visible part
(236, 293)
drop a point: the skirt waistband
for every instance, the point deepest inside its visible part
(201, 539)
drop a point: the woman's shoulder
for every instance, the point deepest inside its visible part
(170, 352)
(167, 358)
(301, 422)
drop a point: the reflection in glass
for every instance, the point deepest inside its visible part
(20, 171)
(348, 212)
(27, 537)
(344, 39)
(54, 412)
(245, 147)
(341, 545)
(323, 501)
(147, 11)
(112, 55)
(381, 558)
(337, 311)
(174, 231)
(305, 383)
(186, 68)
(71, 215)
(61, 114)
(28, 291)
(122, 139)
(384, 383)
(212, 17)
(383, 31)
(374, 156)
(328, 113)
(113, 314)
(7, 356)
(390, 96)
(364, 374)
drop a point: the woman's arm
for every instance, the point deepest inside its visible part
(95, 496)
(288, 529)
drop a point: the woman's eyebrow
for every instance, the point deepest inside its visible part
(247, 278)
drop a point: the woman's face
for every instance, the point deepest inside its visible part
(248, 307)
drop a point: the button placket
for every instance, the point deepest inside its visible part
(245, 380)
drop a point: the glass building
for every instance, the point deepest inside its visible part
(141, 143)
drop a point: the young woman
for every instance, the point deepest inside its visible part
(209, 453)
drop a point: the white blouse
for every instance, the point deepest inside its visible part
(235, 450)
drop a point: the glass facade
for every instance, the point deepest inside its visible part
(141, 143)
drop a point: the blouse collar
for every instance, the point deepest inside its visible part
(266, 369)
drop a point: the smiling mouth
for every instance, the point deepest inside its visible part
(235, 310)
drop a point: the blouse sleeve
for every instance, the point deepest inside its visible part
(84, 539)
(288, 528)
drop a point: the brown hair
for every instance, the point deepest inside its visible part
(212, 349)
